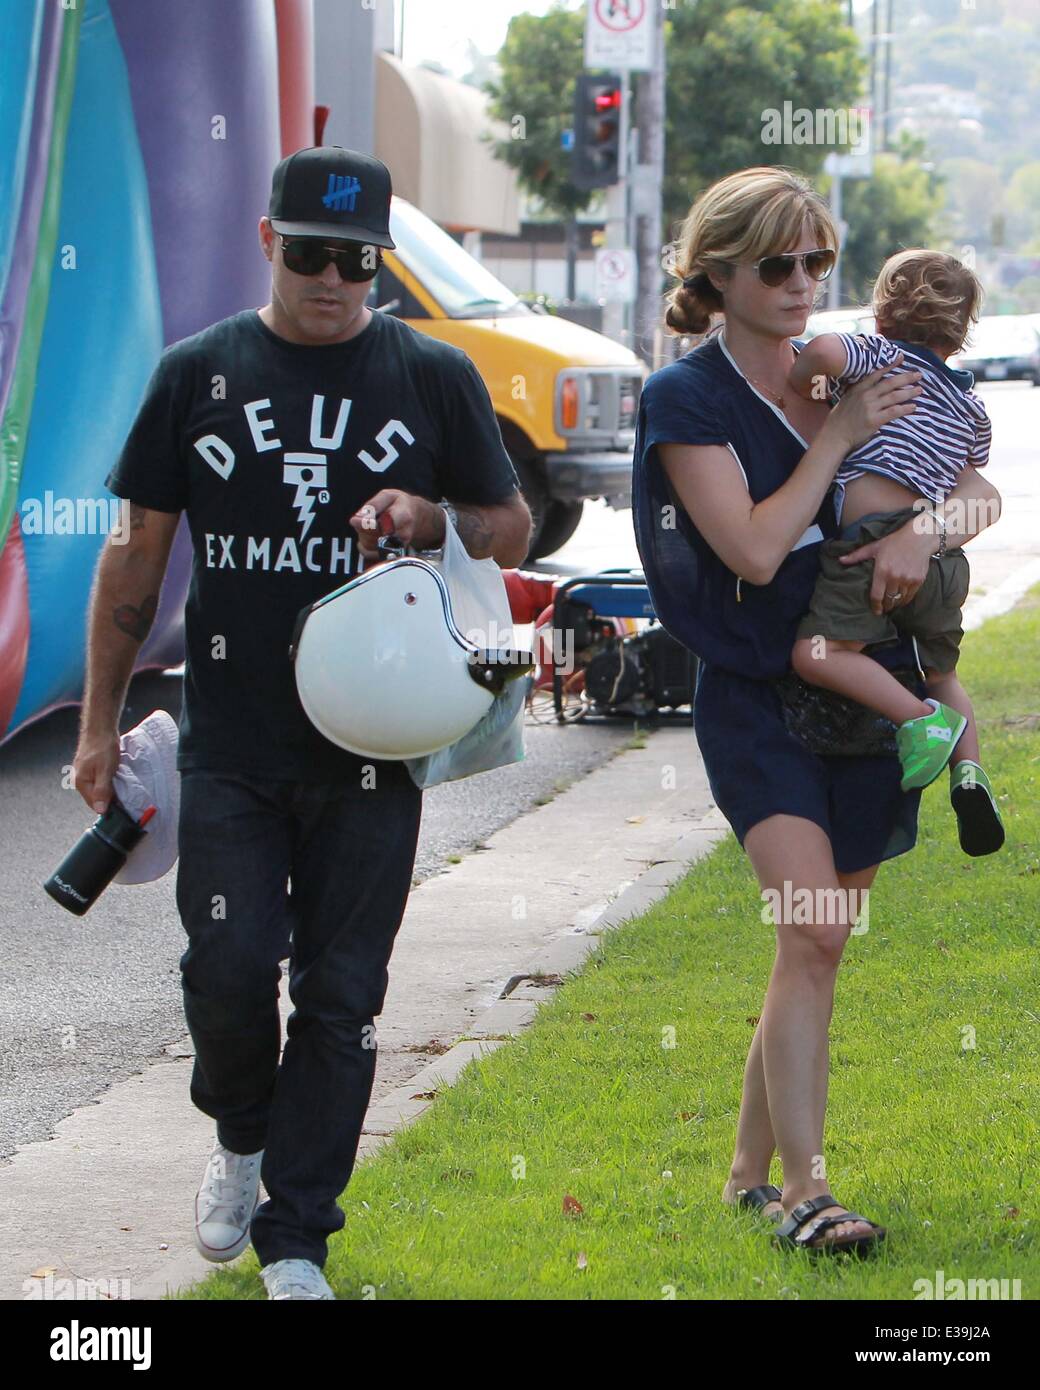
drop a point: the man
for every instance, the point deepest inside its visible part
(286, 433)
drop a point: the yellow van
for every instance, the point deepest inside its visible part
(565, 397)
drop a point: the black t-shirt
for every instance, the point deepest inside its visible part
(271, 447)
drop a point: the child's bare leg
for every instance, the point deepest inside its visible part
(979, 826)
(841, 666)
(944, 686)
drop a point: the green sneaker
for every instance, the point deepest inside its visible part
(926, 744)
(979, 825)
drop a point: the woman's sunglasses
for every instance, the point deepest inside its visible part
(774, 270)
(307, 256)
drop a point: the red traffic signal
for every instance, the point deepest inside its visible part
(597, 130)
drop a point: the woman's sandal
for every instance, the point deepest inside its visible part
(786, 1236)
(758, 1198)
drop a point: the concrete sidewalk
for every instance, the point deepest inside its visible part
(109, 1198)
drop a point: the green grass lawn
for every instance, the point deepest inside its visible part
(586, 1159)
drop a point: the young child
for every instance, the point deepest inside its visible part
(924, 304)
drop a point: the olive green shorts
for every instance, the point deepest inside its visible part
(841, 609)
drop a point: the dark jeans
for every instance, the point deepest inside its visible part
(350, 851)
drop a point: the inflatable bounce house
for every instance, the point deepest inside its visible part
(137, 139)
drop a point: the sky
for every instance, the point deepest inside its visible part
(439, 29)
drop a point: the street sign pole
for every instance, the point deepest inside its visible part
(646, 196)
(619, 38)
(857, 164)
(615, 313)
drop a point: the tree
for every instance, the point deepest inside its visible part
(535, 95)
(974, 193)
(1023, 205)
(989, 54)
(894, 210)
(729, 64)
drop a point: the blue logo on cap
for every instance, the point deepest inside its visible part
(342, 192)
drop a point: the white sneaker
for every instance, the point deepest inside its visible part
(295, 1279)
(225, 1203)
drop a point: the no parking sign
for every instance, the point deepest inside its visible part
(615, 274)
(619, 35)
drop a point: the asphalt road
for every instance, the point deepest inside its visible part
(88, 1001)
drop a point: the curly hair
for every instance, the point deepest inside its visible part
(927, 297)
(742, 217)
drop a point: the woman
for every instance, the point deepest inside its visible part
(732, 496)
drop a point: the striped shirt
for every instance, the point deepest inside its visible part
(926, 450)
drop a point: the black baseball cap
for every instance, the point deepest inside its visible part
(327, 191)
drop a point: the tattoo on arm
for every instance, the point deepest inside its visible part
(137, 515)
(136, 622)
(474, 532)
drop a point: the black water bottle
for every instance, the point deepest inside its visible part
(95, 859)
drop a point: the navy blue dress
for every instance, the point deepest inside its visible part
(743, 633)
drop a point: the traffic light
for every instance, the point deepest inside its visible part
(597, 130)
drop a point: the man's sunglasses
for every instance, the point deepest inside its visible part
(308, 256)
(774, 270)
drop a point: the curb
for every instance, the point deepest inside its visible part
(544, 973)
(1002, 599)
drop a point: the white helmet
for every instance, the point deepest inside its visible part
(383, 671)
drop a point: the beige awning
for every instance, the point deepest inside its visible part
(428, 131)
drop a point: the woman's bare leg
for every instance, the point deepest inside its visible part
(755, 1142)
(790, 1042)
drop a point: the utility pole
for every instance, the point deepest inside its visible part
(834, 279)
(621, 39)
(835, 165)
(887, 99)
(647, 198)
(616, 319)
(571, 234)
(873, 56)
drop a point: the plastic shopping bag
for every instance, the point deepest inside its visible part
(480, 609)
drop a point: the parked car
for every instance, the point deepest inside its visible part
(855, 320)
(1002, 347)
(565, 397)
